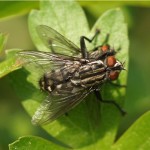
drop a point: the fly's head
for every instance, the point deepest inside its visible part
(113, 66)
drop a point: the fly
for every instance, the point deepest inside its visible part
(71, 73)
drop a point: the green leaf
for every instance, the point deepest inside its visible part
(33, 143)
(10, 64)
(65, 17)
(137, 136)
(9, 9)
(86, 127)
(8, 61)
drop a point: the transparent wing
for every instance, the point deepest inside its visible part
(57, 42)
(38, 63)
(45, 60)
(54, 107)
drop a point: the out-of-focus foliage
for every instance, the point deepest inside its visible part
(96, 8)
(14, 8)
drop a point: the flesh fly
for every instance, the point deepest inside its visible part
(71, 73)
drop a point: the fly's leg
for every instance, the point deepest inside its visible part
(66, 114)
(117, 85)
(83, 46)
(106, 40)
(98, 96)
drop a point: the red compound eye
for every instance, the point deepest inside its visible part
(105, 48)
(111, 61)
(113, 75)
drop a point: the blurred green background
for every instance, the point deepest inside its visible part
(15, 122)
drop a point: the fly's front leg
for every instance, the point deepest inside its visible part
(105, 42)
(98, 96)
(83, 46)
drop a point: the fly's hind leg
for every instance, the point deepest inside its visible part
(98, 96)
(66, 114)
(117, 85)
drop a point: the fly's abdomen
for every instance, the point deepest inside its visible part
(50, 80)
(59, 80)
